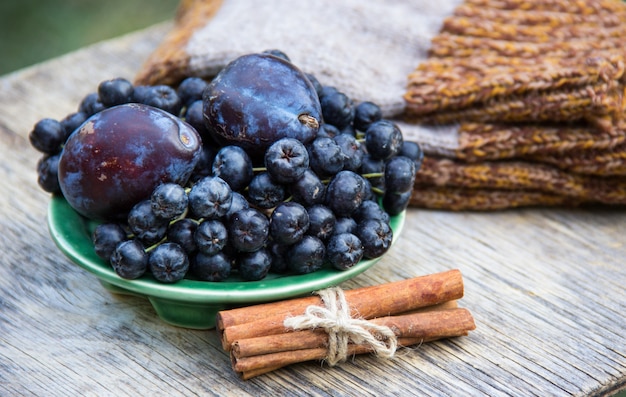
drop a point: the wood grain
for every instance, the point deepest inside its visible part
(546, 288)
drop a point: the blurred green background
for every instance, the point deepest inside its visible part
(32, 31)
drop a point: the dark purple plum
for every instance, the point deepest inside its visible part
(259, 98)
(119, 155)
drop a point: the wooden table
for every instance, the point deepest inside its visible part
(546, 287)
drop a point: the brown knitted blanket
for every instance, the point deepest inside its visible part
(536, 89)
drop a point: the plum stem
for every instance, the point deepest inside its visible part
(309, 121)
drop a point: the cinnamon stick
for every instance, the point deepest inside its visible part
(249, 367)
(304, 339)
(367, 302)
(408, 325)
(411, 329)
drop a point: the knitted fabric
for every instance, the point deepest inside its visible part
(536, 91)
(364, 47)
(515, 102)
(484, 68)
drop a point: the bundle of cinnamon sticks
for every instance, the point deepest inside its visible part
(416, 310)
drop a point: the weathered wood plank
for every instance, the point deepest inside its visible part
(546, 287)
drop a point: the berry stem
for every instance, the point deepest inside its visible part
(153, 246)
(378, 191)
(373, 175)
(181, 216)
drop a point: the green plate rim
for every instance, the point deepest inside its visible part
(69, 230)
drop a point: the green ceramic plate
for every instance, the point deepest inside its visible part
(189, 303)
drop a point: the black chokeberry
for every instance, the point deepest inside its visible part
(162, 96)
(145, 224)
(345, 193)
(349, 129)
(395, 203)
(327, 90)
(47, 136)
(344, 250)
(366, 113)
(190, 90)
(286, 160)
(288, 223)
(48, 173)
(328, 131)
(337, 109)
(115, 92)
(194, 117)
(72, 121)
(169, 201)
(254, 266)
(345, 225)
(413, 151)
(315, 82)
(325, 156)
(238, 203)
(352, 151)
(370, 209)
(279, 257)
(105, 237)
(204, 166)
(376, 237)
(210, 197)
(129, 259)
(91, 105)
(182, 232)
(383, 139)
(321, 221)
(248, 230)
(211, 267)
(373, 169)
(233, 165)
(211, 237)
(307, 255)
(168, 262)
(264, 192)
(399, 174)
(308, 190)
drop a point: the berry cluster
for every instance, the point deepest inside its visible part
(299, 207)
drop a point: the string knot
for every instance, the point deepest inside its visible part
(334, 318)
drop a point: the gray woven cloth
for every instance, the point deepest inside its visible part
(366, 48)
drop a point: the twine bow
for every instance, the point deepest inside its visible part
(342, 329)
